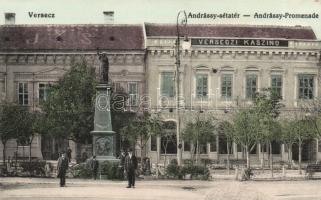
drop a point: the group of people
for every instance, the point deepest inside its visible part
(128, 165)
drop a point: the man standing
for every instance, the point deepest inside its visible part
(69, 154)
(130, 167)
(95, 167)
(62, 168)
(122, 164)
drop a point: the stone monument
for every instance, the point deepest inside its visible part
(104, 144)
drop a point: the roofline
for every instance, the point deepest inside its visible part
(254, 38)
(157, 24)
(69, 25)
(234, 25)
(66, 51)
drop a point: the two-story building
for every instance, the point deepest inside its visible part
(222, 70)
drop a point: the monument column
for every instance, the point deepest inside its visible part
(104, 145)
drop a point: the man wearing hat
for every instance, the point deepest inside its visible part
(130, 167)
(62, 168)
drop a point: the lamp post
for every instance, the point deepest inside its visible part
(180, 20)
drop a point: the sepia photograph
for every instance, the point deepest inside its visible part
(160, 100)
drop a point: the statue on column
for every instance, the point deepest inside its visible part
(104, 67)
(103, 135)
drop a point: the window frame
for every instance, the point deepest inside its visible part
(308, 76)
(45, 89)
(251, 87)
(280, 88)
(24, 93)
(133, 97)
(202, 97)
(172, 92)
(226, 89)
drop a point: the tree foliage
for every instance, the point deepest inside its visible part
(137, 132)
(69, 108)
(15, 123)
(198, 131)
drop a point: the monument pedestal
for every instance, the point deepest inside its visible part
(104, 145)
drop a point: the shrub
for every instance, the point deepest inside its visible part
(34, 168)
(111, 169)
(196, 171)
(81, 171)
(173, 170)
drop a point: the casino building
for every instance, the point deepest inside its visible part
(223, 68)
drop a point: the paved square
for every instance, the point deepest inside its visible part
(35, 188)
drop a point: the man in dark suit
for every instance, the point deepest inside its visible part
(62, 168)
(94, 167)
(130, 168)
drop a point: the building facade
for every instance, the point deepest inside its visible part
(222, 70)
(225, 66)
(33, 57)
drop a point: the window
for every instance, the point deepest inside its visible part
(187, 146)
(227, 86)
(254, 150)
(276, 147)
(223, 145)
(264, 148)
(153, 143)
(168, 143)
(118, 88)
(23, 94)
(133, 94)
(306, 86)
(43, 91)
(201, 86)
(167, 84)
(276, 84)
(251, 86)
(203, 148)
(213, 145)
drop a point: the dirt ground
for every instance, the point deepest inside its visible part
(37, 188)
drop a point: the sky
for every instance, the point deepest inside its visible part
(162, 11)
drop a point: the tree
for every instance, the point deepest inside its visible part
(154, 126)
(228, 130)
(267, 108)
(15, 123)
(246, 130)
(25, 137)
(137, 130)
(70, 105)
(199, 130)
(303, 129)
(288, 137)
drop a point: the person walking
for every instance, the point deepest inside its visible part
(130, 168)
(62, 168)
(94, 167)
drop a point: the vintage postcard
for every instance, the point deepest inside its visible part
(146, 99)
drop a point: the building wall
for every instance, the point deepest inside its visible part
(42, 67)
(300, 57)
